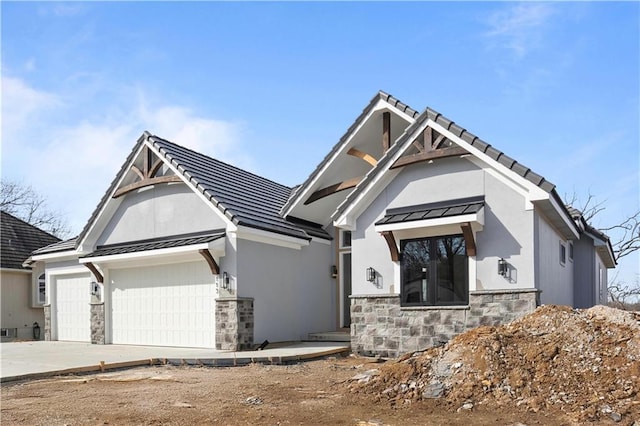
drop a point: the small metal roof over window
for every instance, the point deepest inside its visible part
(156, 244)
(459, 207)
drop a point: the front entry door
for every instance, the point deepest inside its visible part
(346, 289)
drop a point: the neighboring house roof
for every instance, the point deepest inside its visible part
(19, 239)
(433, 210)
(157, 243)
(299, 189)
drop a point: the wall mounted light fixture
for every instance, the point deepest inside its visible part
(371, 274)
(225, 280)
(502, 267)
(334, 271)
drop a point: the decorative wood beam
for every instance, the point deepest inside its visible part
(215, 269)
(137, 171)
(469, 242)
(325, 192)
(391, 242)
(419, 146)
(386, 131)
(430, 155)
(95, 272)
(363, 155)
(428, 138)
(438, 141)
(154, 169)
(146, 182)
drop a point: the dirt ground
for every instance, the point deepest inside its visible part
(554, 366)
(314, 392)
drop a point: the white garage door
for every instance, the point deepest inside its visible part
(164, 305)
(73, 314)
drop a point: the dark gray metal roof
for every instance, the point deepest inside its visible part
(433, 210)
(65, 245)
(18, 239)
(380, 95)
(243, 197)
(468, 137)
(157, 243)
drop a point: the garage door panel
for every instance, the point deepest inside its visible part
(73, 312)
(167, 305)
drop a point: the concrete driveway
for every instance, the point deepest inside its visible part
(24, 360)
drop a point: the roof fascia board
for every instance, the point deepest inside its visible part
(230, 226)
(58, 256)
(475, 218)
(307, 188)
(271, 238)
(561, 211)
(599, 242)
(320, 241)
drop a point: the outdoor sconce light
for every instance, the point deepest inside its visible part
(334, 271)
(371, 274)
(225, 280)
(502, 267)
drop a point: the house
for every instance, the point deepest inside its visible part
(21, 288)
(410, 231)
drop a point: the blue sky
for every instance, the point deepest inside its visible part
(270, 87)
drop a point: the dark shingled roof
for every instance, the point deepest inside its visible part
(433, 210)
(468, 137)
(157, 243)
(380, 95)
(18, 240)
(65, 245)
(243, 197)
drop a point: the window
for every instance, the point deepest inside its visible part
(42, 290)
(563, 253)
(434, 271)
(571, 251)
(345, 239)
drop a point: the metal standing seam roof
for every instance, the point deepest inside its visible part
(18, 239)
(157, 243)
(379, 96)
(465, 135)
(433, 210)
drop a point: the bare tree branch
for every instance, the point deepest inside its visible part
(23, 202)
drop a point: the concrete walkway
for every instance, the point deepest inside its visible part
(28, 360)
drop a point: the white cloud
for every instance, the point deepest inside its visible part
(519, 27)
(73, 162)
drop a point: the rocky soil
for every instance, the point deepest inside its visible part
(582, 363)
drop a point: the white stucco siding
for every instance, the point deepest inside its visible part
(159, 211)
(507, 232)
(555, 278)
(293, 291)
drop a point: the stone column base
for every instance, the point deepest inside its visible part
(234, 323)
(97, 323)
(47, 322)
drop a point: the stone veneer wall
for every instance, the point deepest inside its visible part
(381, 327)
(97, 323)
(234, 323)
(47, 322)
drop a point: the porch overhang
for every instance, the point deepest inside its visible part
(197, 245)
(464, 216)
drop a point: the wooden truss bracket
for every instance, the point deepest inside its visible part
(215, 269)
(95, 272)
(386, 131)
(391, 242)
(430, 146)
(363, 155)
(147, 176)
(329, 190)
(469, 242)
